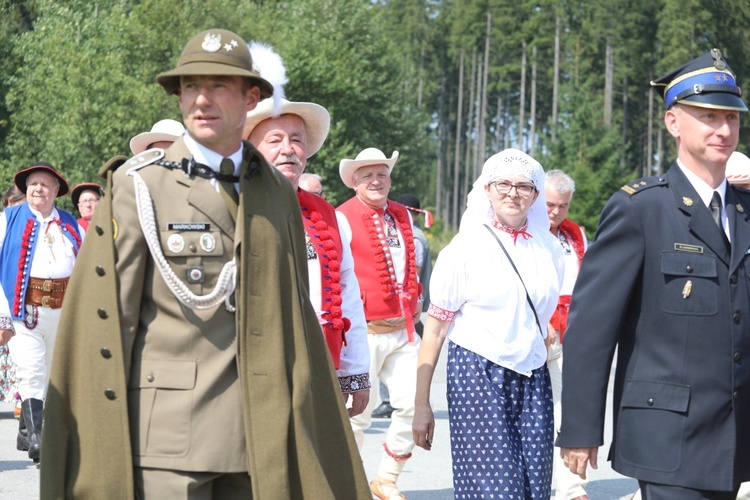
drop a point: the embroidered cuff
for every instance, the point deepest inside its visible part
(6, 323)
(354, 383)
(440, 313)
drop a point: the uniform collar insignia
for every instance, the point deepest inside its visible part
(688, 202)
(740, 208)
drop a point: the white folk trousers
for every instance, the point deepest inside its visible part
(32, 351)
(393, 360)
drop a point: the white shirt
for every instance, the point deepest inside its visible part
(706, 193)
(472, 277)
(570, 261)
(212, 159)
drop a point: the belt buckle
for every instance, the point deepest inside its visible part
(47, 286)
(45, 301)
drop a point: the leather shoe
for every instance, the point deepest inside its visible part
(383, 411)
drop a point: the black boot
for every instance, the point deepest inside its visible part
(22, 441)
(32, 410)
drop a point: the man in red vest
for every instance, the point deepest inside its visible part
(382, 243)
(287, 137)
(559, 188)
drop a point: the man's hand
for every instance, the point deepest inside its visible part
(577, 459)
(359, 401)
(5, 336)
(423, 426)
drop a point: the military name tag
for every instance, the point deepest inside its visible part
(684, 247)
(188, 226)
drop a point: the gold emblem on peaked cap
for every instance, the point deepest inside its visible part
(688, 202)
(718, 60)
(212, 42)
(740, 208)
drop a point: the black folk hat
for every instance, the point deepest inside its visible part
(214, 52)
(77, 191)
(41, 166)
(408, 200)
(706, 82)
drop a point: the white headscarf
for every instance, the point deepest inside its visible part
(478, 206)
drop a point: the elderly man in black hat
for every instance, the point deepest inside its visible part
(86, 196)
(39, 247)
(665, 284)
(208, 353)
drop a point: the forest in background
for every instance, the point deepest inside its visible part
(447, 83)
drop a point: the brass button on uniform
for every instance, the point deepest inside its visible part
(689, 269)
(650, 402)
(150, 377)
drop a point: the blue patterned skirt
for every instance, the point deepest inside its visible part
(502, 429)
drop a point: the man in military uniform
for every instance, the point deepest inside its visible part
(208, 376)
(666, 283)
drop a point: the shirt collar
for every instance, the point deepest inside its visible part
(705, 191)
(54, 214)
(211, 158)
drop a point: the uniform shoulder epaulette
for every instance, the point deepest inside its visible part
(639, 185)
(143, 159)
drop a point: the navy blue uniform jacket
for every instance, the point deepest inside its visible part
(660, 284)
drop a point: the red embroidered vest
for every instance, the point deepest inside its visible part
(381, 293)
(319, 219)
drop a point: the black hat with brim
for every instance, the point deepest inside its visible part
(215, 52)
(707, 82)
(42, 166)
(78, 189)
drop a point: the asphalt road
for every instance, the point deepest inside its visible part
(427, 475)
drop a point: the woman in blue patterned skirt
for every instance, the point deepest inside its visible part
(492, 293)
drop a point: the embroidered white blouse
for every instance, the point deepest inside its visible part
(474, 285)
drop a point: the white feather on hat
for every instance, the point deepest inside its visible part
(270, 65)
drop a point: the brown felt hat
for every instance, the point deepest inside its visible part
(214, 52)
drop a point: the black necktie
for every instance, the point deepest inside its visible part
(716, 209)
(226, 188)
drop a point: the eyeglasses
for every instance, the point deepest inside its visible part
(319, 193)
(88, 202)
(523, 190)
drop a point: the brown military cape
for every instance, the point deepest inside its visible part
(299, 441)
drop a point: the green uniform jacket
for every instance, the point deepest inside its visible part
(299, 442)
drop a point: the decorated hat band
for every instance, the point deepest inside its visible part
(703, 82)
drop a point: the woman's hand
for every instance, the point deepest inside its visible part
(423, 426)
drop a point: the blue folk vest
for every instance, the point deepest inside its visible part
(21, 238)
